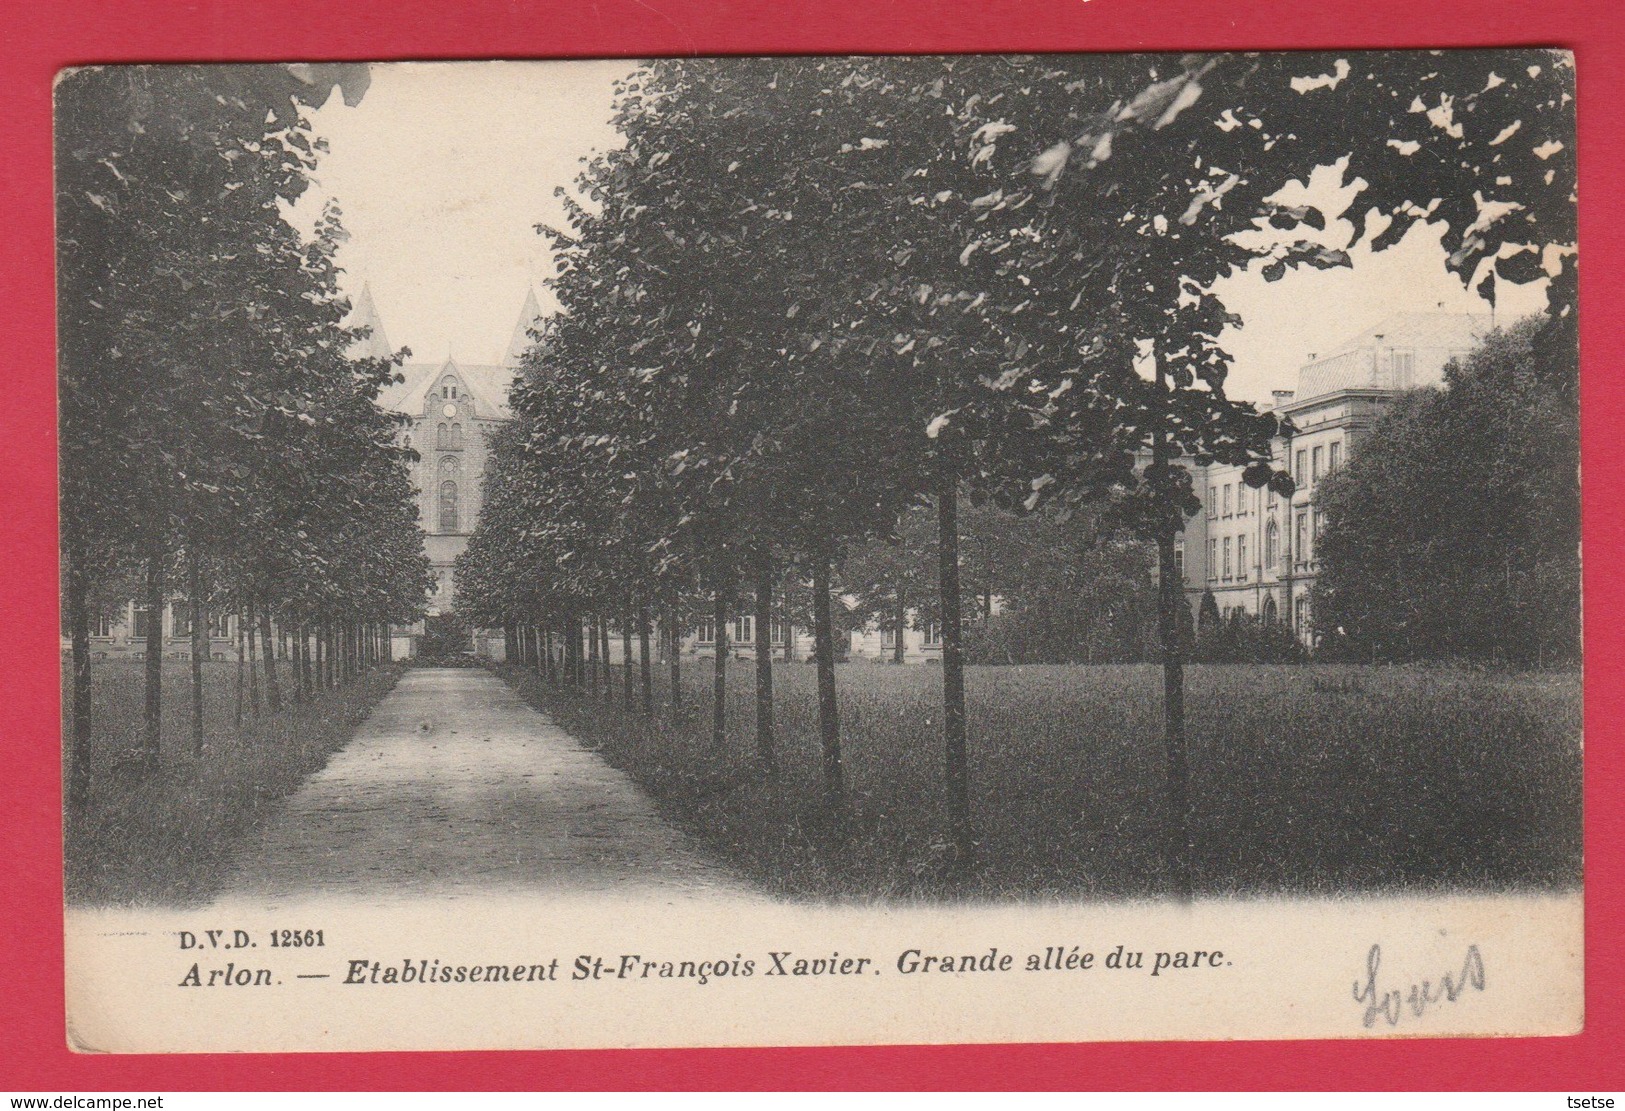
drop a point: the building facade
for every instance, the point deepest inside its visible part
(1255, 550)
(452, 410)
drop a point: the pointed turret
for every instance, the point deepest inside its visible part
(365, 315)
(529, 317)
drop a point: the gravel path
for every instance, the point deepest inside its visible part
(456, 788)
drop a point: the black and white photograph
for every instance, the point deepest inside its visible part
(820, 550)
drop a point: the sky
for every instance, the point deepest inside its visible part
(444, 169)
(442, 172)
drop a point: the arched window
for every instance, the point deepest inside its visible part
(456, 436)
(1271, 613)
(450, 466)
(448, 507)
(1272, 544)
(442, 440)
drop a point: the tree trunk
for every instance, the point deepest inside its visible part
(603, 657)
(626, 660)
(273, 694)
(644, 663)
(1173, 718)
(764, 660)
(1169, 589)
(152, 718)
(242, 658)
(200, 642)
(79, 630)
(953, 664)
(789, 625)
(253, 660)
(719, 671)
(592, 657)
(675, 644)
(296, 662)
(901, 618)
(829, 726)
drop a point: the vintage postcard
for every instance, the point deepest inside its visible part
(820, 550)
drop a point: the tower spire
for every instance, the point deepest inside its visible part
(364, 314)
(529, 317)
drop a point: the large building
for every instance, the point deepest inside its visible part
(453, 408)
(1255, 550)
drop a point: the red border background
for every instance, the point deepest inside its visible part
(44, 36)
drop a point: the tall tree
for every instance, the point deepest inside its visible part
(1454, 530)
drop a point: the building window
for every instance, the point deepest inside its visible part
(1228, 572)
(744, 629)
(1303, 457)
(1334, 456)
(1271, 614)
(1179, 559)
(1301, 609)
(180, 620)
(1212, 560)
(1301, 545)
(450, 466)
(1272, 545)
(1241, 500)
(781, 631)
(143, 619)
(1227, 499)
(1241, 558)
(101, 625)
(220, 625)
(1212, 501)
(1314, 466)
(933, 634)
(442, 437)
(707, 631)
(456, 437)
(448, 507)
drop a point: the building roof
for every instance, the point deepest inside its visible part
(488, 384)
(1365, 362)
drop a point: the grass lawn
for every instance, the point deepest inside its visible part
(1315, 779)
(168, 838)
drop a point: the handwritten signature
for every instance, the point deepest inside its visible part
(1391, 1004)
